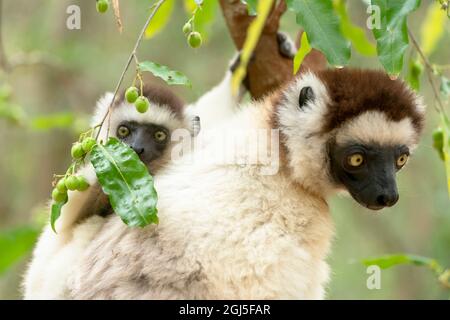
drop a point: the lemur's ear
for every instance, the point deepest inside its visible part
(306, 95)
(101, 108)
(195, 125)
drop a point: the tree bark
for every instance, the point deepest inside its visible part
(268, 69)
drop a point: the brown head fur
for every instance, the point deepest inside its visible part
(354, 91)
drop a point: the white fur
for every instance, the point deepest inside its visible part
(373, 127)
(53, 259)
(47, 270)
(215, 106)
(302, 127)
(226, 231)
(157, 114)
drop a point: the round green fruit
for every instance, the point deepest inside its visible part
(131, 94)
(102, 6)
(438, 139)
(187, 28)
(416, 68)
(195, 39)
(88, 144)
(58, 196)
(77, 151)
(72, 183)
(82, 183)
(142, 104)
(61, 185)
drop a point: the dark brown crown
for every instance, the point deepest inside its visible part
(354, 91)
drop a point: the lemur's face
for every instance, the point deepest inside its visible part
(148, 140)
(354, 129)
(368, 171)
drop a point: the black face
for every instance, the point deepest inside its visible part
(147, 140)
(368, 172)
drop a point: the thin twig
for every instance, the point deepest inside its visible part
(429, 71)
(127, 65)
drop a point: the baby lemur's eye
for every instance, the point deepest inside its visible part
(160, 136)
(355, 160)
(123, 132)
(401, 161)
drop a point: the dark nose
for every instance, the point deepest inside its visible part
(138, 150)
(387, 199)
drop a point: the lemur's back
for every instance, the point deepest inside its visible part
(225, 231)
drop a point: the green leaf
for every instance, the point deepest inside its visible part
(52, 121)
(253, 34)
(388, 261)
(392, 36)
(127, 182)
(432, 28)
(251, 6)
(352, 32)
(15, 244)
(56, 213)
(415, 69)
(304, 49)
(171, 77)
(160, 19)
(321, 24)
(445, 87)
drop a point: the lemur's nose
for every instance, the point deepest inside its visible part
(387, 200)
(138, 150)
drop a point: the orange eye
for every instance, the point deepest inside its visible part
(123, 132)
(160, 136)
(401, 161)
(355, 160)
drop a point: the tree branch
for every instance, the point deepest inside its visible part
(268, 69)
(127, 65)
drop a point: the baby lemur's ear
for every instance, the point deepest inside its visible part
(101, 108)
(196, 126)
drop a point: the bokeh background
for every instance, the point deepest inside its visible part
(61, 72)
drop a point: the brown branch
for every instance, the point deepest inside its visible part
(268, 69)
(116, 10)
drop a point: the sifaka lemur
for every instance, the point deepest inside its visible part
(229, 232)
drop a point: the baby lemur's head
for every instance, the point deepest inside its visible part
(349, 129)
(149, 133)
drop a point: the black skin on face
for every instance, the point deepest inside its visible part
(371, 178)
(147, 140)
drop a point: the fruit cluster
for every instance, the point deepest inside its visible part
(70, 181)
(141, 102)
(194, 38)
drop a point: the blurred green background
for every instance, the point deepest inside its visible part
(63, 71)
